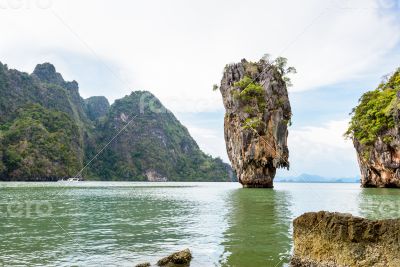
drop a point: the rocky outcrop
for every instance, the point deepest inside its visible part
(153, 176)
(325, 239)
(374, 129)
(256, 121)
(46, 72)
(177, 259)
(97, 107)
(181, 258)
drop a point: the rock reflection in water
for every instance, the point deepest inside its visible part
(259, 228)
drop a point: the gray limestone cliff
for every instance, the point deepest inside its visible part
(256, 121)
(380, 164)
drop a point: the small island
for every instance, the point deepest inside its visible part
(374, 129)
(257, 116)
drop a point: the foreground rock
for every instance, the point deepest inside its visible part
(257, 116)
(177, 259)
(336, 239)
(181, 258)
(374, 129)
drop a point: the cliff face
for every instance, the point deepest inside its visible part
(374, 129)
(326, 239)
(256, 121)
(380, 163)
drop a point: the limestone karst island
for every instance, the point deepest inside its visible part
(256, 120)
(200, 133)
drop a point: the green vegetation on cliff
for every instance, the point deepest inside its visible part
(154, 142)
(250, 92)
(252, 95)
(48, 131)
(376, 112)
(39, 143)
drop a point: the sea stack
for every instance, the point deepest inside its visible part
(374, 129)
(256, 120)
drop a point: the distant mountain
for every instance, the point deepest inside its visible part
(309, 178)
(154, 147)
(48, 131)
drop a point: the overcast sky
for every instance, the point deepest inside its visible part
(177, 50)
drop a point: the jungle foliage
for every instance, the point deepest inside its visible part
(376, 112)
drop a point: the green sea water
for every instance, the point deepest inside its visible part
(122, 224)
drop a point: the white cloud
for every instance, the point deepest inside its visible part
(346, 43)
(210, 140)
(322, 150)
(177, 49)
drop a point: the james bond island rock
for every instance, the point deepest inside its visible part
(257, 117)
(374, 129)
(325, 239)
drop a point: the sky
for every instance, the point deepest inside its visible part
(177, 50)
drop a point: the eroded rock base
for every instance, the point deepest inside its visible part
(263, 185)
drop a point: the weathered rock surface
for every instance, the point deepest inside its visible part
(181, 258)
(325, 239)
(256, 121)
(381, 168)
(153, 176)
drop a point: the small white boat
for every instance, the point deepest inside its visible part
(74, 179)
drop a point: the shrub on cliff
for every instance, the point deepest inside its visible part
(250, 92)
(376, 112)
